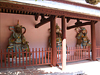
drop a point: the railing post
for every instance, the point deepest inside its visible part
(29, 56)
(67, 53)
(45, 55)
(39, 55)
(1, 58)
(8, 58)
(42, 55)
(58, 54)
(23, 56)
(33, 55)
(5, 56)
(89, 52)
(51, 55)
(36, 56)
(12, 57)
(79, 52)
(26, 57)
(48, 55)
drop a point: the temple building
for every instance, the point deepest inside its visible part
(48, 32)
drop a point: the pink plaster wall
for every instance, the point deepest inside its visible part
(97, 28)
(37, 37)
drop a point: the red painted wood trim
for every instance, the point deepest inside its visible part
(26, 56)
(23, 56)
(42, 55)
(51, 55)
(12, 57)
(48, 55)
(43, 22)
(58, 54)
(39, 55)
(1, 57)
(33, 55)
(45, 55)
(93, 41)
(53, 40)
(29, 57)
(8, 58)
(63, 43)
(5, 57)
(36, 56)
(41, 10)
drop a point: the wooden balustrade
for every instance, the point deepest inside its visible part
(23, 58)
(74, 54)
(98, 51)
(42, 56)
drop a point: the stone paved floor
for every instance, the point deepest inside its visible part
(85, 67)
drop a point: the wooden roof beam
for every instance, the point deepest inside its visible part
(43, 21)
(81, 24)
(69, 18)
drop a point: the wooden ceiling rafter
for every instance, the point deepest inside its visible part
(35, 9)
(69, 18)
(36, 14)
(80, 24)
(32, 10)
(43, 21)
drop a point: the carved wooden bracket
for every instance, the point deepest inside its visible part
(36, 16)
(81, 24)
(68, 19)
(43, 21)
(78, 22)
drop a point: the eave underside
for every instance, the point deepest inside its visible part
(31, 10)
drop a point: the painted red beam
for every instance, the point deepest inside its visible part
(83, 24)
(43, 21)
(53, 40)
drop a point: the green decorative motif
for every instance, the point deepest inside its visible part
(17, 40)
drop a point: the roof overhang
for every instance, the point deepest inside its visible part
(51, 8)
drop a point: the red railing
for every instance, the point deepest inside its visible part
(98, 51)
(59, 55)
(74, 54)
(21, 58)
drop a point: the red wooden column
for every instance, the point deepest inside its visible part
(63, 43)
(93, 41)
(53, 40)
